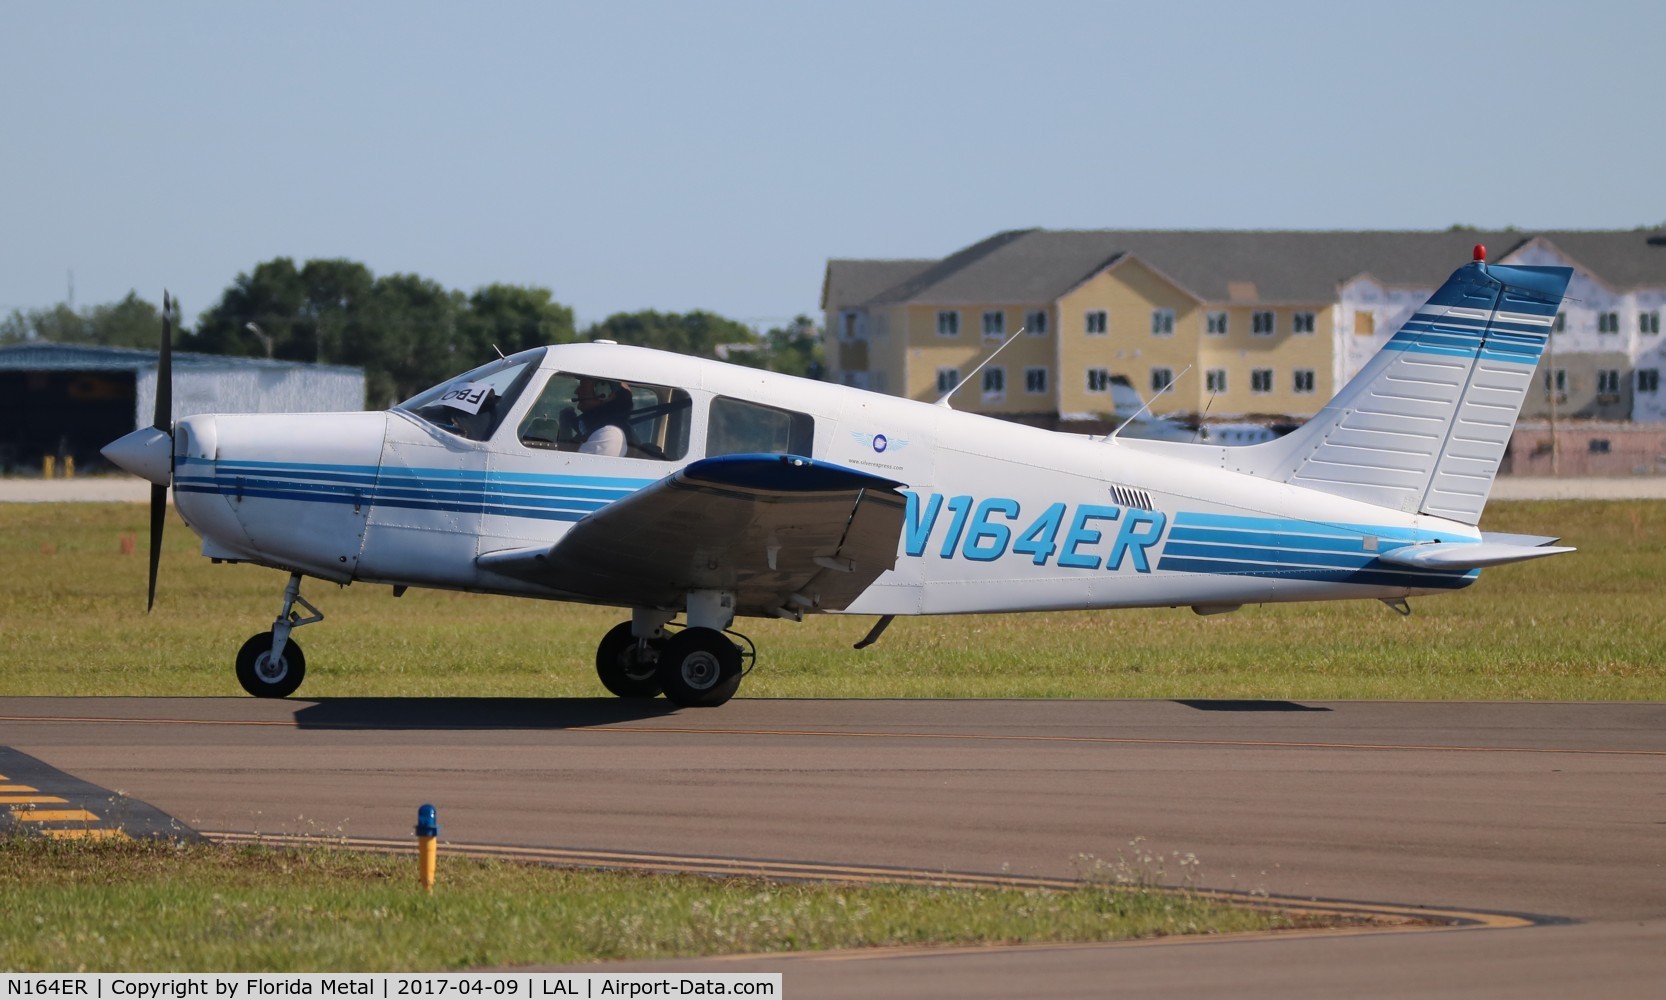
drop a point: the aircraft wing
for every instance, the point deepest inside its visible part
(1492, 550)
(784, 534)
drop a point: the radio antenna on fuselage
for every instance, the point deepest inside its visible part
(944, 402)
(1146, 405)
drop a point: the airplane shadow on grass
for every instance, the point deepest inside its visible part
(477, 713)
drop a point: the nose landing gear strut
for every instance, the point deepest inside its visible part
(270, 664)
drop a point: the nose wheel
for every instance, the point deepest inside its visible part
(271, 664)
(266, 676)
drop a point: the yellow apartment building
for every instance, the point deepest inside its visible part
(1237, 324)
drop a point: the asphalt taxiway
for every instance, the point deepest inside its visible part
(1547, 822)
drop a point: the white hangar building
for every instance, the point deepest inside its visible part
(70, 400)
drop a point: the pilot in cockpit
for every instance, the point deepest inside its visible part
(603, 416)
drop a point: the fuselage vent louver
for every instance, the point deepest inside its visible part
(1127, 496)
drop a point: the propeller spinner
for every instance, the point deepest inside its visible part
(149, 451)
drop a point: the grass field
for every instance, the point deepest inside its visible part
(146, 906)
(1585, 626)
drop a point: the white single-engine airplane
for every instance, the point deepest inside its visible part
(747, 493)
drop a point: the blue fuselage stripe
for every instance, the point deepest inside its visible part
(1233, 545)
(1206, 544)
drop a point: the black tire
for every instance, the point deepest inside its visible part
(621, 666)
(257, 675)
(699, 668)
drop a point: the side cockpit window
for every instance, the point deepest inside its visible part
(742, 428)
(601, 416)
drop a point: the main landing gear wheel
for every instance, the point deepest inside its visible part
(626, 667)
(699, 668)
(265, 677)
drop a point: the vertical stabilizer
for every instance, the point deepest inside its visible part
(1424, 425)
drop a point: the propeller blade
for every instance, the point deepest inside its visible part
(158, 516)
(165, 371)
(165, 424)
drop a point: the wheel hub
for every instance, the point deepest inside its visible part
(638, 663)
(701, 670)
(269, 670)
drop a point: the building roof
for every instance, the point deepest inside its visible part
(1041, 265)
(44, 356)
(852, 282)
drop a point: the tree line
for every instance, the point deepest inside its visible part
(407, 332)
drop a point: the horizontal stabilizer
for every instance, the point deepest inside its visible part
(1509, 539)
(1490, 551)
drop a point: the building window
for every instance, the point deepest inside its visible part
(1648, 322)
(850, 324)
(1304, 381)
(1216, 324)
(1561, 323)
(1160, 379)
(994, 381)
(1035, 380)
(1608, 384)
(1094, 322)
(948, 323)
(947, 378)
(1214, 380)
(1099, 380)
(1261, 380)
(1648, 380)
(1162, 322)
(1365, 323)
(1556, 380)
(1035, 323)
(1608, 322)
(1261, 324)
(994, 323)
(1597, 446)
(1301, 322)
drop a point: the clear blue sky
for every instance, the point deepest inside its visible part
(713, 155)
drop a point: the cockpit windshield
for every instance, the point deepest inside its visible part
(474, 403)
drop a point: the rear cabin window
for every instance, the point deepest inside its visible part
(656, 419)
(742, 428)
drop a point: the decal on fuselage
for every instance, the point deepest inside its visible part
(1067, 535)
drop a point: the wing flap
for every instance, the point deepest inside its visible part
(784, 534)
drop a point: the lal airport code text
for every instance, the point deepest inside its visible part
(390, 986)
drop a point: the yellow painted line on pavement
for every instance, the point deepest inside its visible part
(871, 735)
(84, 833)
(55, 816)
(1170, 941)
(1149, 740)
(23, 800)
(18, 788)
